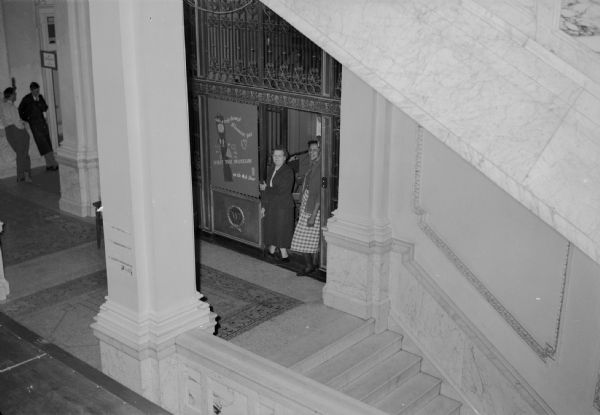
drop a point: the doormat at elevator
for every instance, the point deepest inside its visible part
(32, 230)
(239, 304)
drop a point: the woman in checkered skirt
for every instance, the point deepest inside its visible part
(308, 229)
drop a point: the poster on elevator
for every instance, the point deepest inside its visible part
(233, 140)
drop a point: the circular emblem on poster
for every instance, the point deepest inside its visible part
(236, 217)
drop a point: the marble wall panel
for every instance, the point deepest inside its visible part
(120, 366)
(581, 19)
(211, 391)
(568, 173)
(347, 273)
(494, 242)
(470, 367)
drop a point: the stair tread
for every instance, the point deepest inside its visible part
(408, 395)
(376, 347)
(440, 405)
(293, 350)
(392, 368)
(331, 350)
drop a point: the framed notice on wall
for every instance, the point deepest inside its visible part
(48, 59)
(233, 146)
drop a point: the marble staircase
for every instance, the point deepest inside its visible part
(374, 369)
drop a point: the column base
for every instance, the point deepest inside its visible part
(79, 183)
(358, 266)
(139, 351)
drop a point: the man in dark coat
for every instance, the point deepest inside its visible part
(31, 109)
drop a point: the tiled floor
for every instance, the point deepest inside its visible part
(48, 354)
(53, 301)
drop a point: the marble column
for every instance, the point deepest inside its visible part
(4, 286)
(359, 234)
(78, 154)
(143, 145)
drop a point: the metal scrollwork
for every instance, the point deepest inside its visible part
(246, 43)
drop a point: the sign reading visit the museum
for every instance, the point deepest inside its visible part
(233, 139)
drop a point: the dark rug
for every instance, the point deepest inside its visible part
(48, 181)
(239, 304)
(31, 230)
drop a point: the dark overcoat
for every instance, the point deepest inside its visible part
(278, 223)
(32, 111)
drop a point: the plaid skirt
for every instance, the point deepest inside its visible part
(306, 239)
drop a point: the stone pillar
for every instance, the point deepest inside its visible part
(359, 235)
(78, 154)
(4, 286)
(143, 145)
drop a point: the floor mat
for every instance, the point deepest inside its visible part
(240, 304)
(31, 230)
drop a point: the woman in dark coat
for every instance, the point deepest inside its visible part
(278, 205)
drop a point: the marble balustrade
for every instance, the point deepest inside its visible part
(215, 376)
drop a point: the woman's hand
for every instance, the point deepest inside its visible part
(262, 212)
(311, 221)
(262, 186)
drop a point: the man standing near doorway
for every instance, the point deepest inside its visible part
(16, 135)
(31, 109)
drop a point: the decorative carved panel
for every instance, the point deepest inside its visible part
(240, 93)
(536, 320)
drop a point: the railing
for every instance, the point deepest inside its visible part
(218, 377)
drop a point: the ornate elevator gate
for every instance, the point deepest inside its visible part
(254, 82)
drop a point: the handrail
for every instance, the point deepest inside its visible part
(204, 352)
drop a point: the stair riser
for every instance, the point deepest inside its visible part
(390, 384)
(412, 407)
(360, 368)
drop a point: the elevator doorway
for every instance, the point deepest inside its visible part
(293, 129)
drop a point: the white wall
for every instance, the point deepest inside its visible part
(517, 258)
(482, 285)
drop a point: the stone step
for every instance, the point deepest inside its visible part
(303, 332)
(333, 349)
(384, 377)
(411, 396)
(356, 360)
(440, 405)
